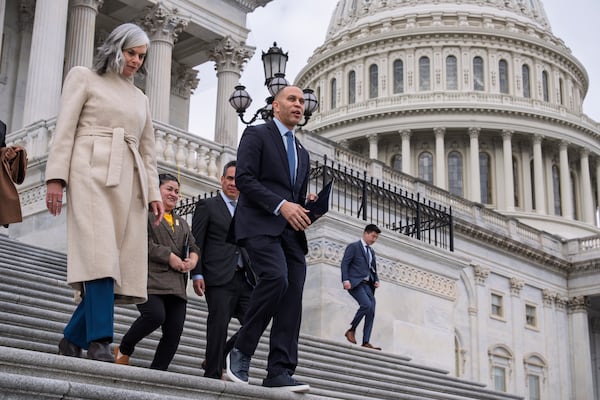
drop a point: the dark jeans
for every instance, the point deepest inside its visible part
(364, 294)
(164, 310)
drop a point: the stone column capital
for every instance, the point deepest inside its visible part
(94, 4)
(439, 131)
(507, 133)
(184, 79)
(405, 133)
(26, 15)
(162, 23)
(548, 297)
(577, 304)
(537, 138)
(229, 55)
(516, 285)
(584, 152)
(474, 132)
(481, 274)
(372, 138)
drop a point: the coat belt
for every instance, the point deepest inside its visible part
(120, 139)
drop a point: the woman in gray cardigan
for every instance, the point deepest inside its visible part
(172, 253)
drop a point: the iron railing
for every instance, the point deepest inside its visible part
(357, 195)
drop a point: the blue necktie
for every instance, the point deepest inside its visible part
(291, 155)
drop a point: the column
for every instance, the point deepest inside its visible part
(440, 165)
(581, 363)
(538, 176)
(479, 343)
(163, 26)
(80, 35)
(26, 17)
(184, 81)
(2, 12)
(44, 77)
(509, 186)
(406, 161)
(566, 194)
(517, 310)
(229, 58)
(587, 201)
(373, 149)
(475, 173)
(597, 184)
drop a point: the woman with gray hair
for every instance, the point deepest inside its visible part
(103, 154)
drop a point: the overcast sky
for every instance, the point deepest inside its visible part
(299, 27)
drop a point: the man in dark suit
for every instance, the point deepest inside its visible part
(223, 273)
(359, 277)
(272, 176)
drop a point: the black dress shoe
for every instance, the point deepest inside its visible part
(100, 351)
(69, 349)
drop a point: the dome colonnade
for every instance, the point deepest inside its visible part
(478, 98)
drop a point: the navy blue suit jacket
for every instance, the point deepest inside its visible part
(355, 264)
(263, 178)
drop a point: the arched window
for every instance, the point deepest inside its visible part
(503, 76)
(455, 173)
(373, 81)
(424, 74)
(561, 91)
(397, 162)
(351, 87)
(478, 81)
(545, 86)
(556, 189)
(398, 76)
(426, 166)
(485, 182)
(535, 370)
(526, 83)
(333, 93)
(501, 364)
(451, 73)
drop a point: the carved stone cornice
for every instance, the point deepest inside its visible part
(184, 80)
(248, 5)
(229, 55)
(162, 23)
(323, 250)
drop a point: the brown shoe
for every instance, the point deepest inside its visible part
(204, 364)
(123, 360)
(370, 346)
(350, 336)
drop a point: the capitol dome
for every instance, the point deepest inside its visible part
(476, 97)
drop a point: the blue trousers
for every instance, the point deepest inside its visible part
(364, 294)
(93, 319)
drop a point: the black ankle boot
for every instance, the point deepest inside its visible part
(69, 349)
(100, 351)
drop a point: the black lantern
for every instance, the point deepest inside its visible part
(274, 62)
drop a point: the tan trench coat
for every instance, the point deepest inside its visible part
(103, 149)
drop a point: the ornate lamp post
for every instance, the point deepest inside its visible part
(274, 63)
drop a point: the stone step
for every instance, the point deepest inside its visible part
(35, 304)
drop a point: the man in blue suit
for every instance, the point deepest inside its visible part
(359, 277)
(269, 222)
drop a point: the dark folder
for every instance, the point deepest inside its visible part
(319, 207)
